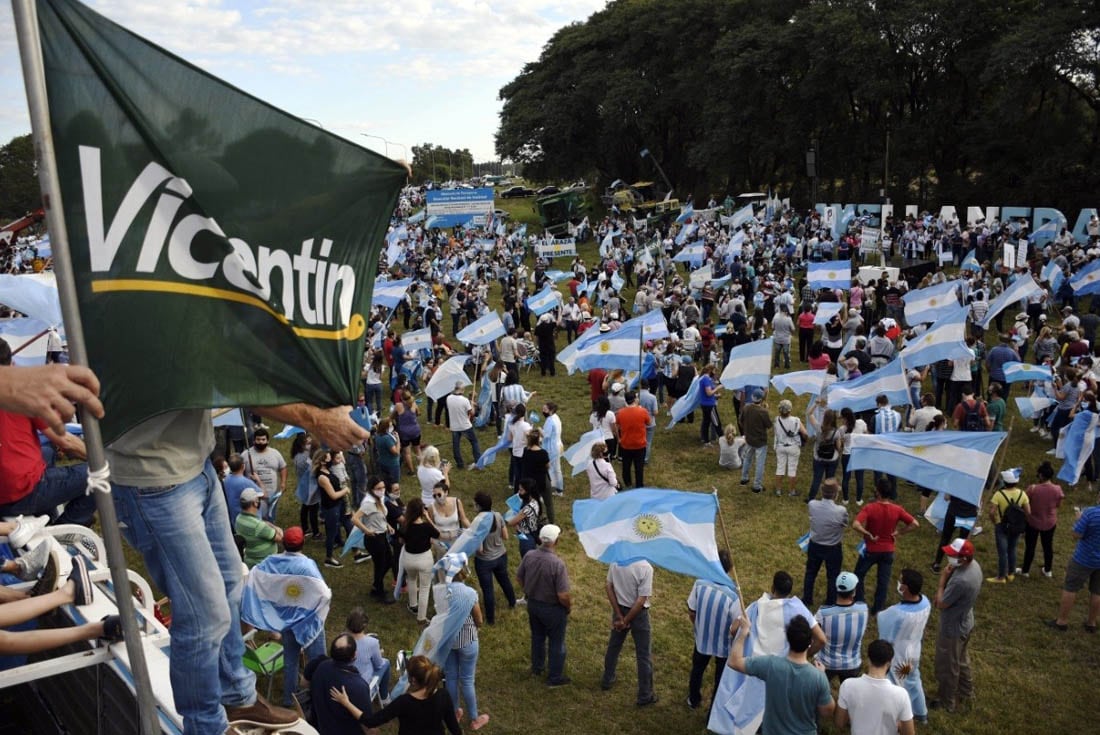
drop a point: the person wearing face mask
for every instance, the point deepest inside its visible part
(956, 596)
(903, 626)
(370, 518)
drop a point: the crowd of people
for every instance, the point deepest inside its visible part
(755, 286)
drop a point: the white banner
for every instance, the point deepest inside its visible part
(868, 240)
(1008, 260)
(1021, 253)
(557, 248)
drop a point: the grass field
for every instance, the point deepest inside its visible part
(1021, 668)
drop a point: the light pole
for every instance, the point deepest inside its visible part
(384, 141)
(315, 122)
(886, 163)
(644, 153)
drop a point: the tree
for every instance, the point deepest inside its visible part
(18, 179)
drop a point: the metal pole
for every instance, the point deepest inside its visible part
(660, 170)
(886, 165)
(368, 135)
(34, 79)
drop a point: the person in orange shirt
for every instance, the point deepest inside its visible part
(633, 420)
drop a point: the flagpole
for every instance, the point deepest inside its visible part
(34, 79)
(729, 549)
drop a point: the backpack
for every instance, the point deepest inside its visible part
(973, 420)
(1013, 519)
(826, 448)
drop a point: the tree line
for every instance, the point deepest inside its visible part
(984, 102)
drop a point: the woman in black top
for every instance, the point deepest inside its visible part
(333, 505)
(425, 709)
(535, 464)
(416, 557)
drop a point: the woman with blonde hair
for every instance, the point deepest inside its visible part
(789, 434)
(425, 709)
(730, 448)
(601, 474)
(432, 469)
(447, 512)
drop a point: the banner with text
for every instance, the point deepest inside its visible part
(455, 207)
(557, 248)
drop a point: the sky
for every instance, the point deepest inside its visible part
(408, 71)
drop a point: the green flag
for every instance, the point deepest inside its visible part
(224, 250)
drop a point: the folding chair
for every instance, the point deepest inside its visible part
(265, 660)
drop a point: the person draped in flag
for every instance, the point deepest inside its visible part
(903, 626)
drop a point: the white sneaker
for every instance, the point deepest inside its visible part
(1047, 574)
(1033, 429)
(26, 529)
(34, 561)
(521, 602)
(975, 531)
(1051, 452)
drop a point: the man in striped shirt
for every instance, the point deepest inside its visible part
(887, 420)
(843, 625)
(712, 609)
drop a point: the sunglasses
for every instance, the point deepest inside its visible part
(437, 495)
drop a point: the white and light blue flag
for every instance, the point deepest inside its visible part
(1020, 289)
(1076, 445)
(750, 364)
(954, 462)
(470, 540)
(932, 303)
(694, 254)
(1086, 280)
(1054, 275)
(685, 404)
(671, 529)
(287, 592)
(446, 376)
(1031, 406)
(483, 331)
(568, 355)
(802, 382)
(945, 340)
(619, 349)
(741, 216)
(653, 324)
(390, 293)
(543, 301)
(830, 274)
(685, 213)
(1021, 372)
(579, 455)
(558, 276)
(418, 339)
(1048, 231)
(687, 231)
(970, 262)
(826, 310)
(860, 394)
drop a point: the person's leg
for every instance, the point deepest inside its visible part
(484, 571)
(29, 608)
(761, 458)
(1002, 550)
(450, 677)
(639, 466)
(423, 584)
(611, 656)
(845, 475)
(815, 483)
(332, 529)
(58, 486)
(947, 670)
(641, 633)
(379, 549)
(862, 566)
(411, 578)
(699, 663)
(946, 533)
(1047, 539)
(538, 635)
(471, 435)
(315, 519)
(500, 571)
(1031, 539)
(814, 560)
(291, 655)
(628, 469)
(384, 679)
(834, 559)
(965, 688)
(882, 581)
(456, 449)
(13, 643)
(467, 672)
(183, 534)
(556, 634)
(1012, 540)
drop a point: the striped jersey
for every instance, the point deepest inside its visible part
(715, 609)
(843, 626)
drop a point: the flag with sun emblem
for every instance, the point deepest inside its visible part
(929, 304)
(287, 591)
(945, 340)
(954, 462)
(672, 529)
(830, 274)
(619, 349)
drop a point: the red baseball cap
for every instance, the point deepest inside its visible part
(293, 538)
(961, 548)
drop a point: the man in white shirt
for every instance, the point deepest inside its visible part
(872, 704)
(508, 352)
(460, 414)
(629, 588)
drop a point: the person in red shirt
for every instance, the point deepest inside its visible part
(595, 384)
(878, 524)
(633, 420)
(28, 486)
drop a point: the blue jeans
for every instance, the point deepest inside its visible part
(1006, 550)
(357, 473)
(486, 571)
(373, 394)
(183, 533)
(459, 670)
(822, 470)
(547, 621)
(456, 446)
(57, 486)
(526, 543)
(783, 351)
(833, 558)
(885, 562)
(291, 650)
(334, 521)
(755, 456)
(844, 459)
(649, 432)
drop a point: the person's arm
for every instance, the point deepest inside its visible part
(907, 728)
(331, 426)
(940, 600)
(71, 445)
(564, 599)
(475, 612)
(736, 660)
(840, 717)
(49, 391)
(462, 521)
(858, 528)
(908, 528)
(819, 640)
(357, 520)
(282, 478)
(325, 484)
(609, 588)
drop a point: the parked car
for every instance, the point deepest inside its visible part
(516, 192)
(501, 213)
(547, 191)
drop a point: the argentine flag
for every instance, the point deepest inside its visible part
(490, 455)
(1052, 273)
(685, 213)
(860, 394)
(287, 591)
(619, 349)
(687, 231)
(579, 455)
(1048, 231)
(929, 304)
(830, 274)
(418, 339)
(1032, 406)
(954, 462)
(694, 254)
(750, 364)
(685, 404)
(826, 310)
(558, 276)
(671, 529)
(741, 216)
(470, 540)
(543, 301)
(1021, 372)
(443, 380)
(390, 293)
(483, 331)
(1020, 289)
(735, 246)
(946, 340)
(802, 382)
(568, 354)
(1078, 440)
(1085, 280)
(653, 324)
(970, 263)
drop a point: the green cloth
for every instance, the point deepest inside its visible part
(995, 409)
(259, 538)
